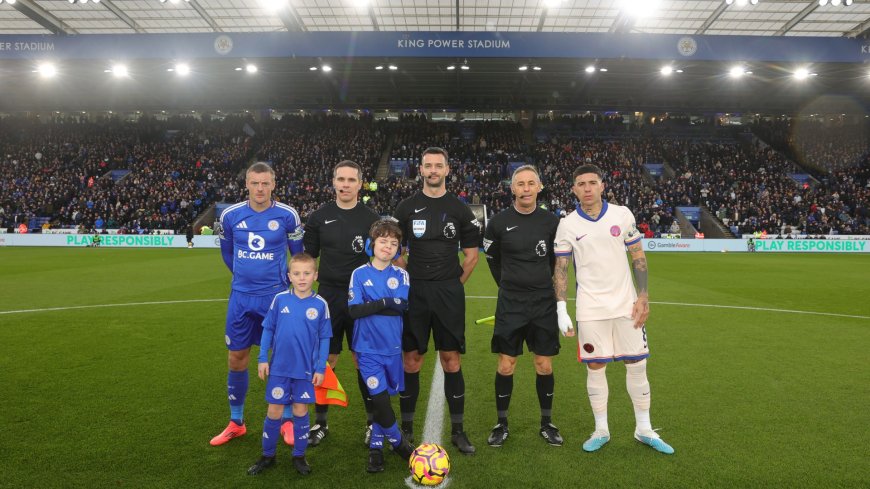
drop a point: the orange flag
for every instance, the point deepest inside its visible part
(330, 391)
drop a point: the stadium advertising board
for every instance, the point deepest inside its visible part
(811, 246)
(761, 245)
(109, 240)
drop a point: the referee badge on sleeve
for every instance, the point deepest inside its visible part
(419, 227)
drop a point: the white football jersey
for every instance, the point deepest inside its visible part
(605, 289)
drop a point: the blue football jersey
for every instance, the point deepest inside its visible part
(254, 246)
(377, 333)
(295, 327)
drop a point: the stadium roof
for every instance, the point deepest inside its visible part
(712, 17)
(290, 82)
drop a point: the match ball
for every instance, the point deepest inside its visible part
(429, 464)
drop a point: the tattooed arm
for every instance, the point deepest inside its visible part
(640, 312)
(560, 278)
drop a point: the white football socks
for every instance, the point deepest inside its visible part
(596, 386)
(637, 384)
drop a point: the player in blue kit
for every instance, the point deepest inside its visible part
(377, 297)
(297, 329)
(254, 238)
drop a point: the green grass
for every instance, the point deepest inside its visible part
(129, 396)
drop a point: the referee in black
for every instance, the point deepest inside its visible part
(519, 250)
(436, 225)
(336, 233)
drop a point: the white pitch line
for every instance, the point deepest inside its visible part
(93, 306)
(685, 304)
(434, 415)
(720, 306)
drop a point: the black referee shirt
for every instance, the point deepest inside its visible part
(434, 229)
(519, 249)
(338, 237)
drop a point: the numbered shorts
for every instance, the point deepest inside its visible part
(439, 308)
(284, 390)
(342, 323)
(245, 315)
(382, 372)
(611, 339)
(525, 318)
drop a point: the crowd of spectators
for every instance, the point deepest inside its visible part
(304, 149)
(61, 170)
(178, 168)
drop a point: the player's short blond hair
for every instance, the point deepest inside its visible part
(303, 258)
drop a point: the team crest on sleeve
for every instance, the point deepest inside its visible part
(615, 231)
(311, 313)
(541, 248)
(350, 295)
(277, 393)
(273, 225)
(220, 231)
(419, 227)
(357, 244)
(632, 232)
(393, 283)
(450, 231)
(372, 382)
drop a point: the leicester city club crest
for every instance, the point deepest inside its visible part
(273, 225)
(311, 313)
(418, 227)
(393, 283)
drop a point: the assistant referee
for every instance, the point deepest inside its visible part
(336, 233)
(519, 250)
(435, 226)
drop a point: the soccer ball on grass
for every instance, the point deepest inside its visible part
(429, 464)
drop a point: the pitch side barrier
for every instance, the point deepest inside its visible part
(851, 245)
(108, 240)
(761, 245)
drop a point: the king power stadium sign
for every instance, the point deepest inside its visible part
(436, 44)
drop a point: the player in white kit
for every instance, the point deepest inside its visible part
(611, 310)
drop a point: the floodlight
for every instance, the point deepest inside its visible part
(46, 70)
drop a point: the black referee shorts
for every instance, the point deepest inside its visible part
(529, 318)
(342, 323)
(438, 307)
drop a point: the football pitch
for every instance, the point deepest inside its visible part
(114, 368)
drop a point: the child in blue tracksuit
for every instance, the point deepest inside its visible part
(377, 297)
(297, 330)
